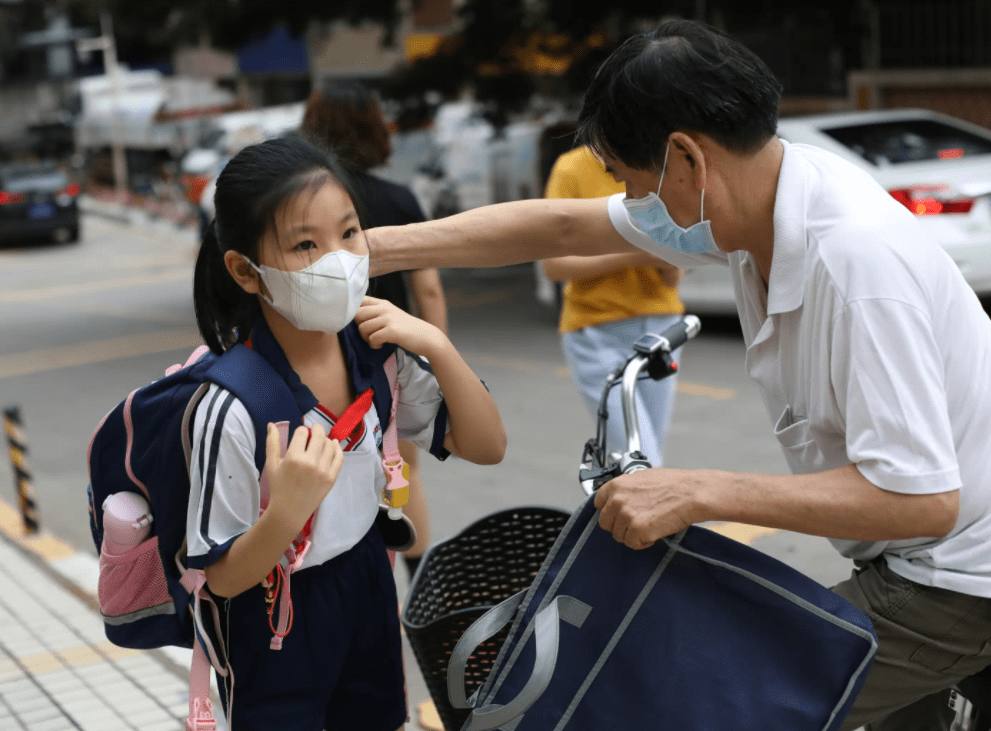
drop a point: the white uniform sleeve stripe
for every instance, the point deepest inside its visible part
(206, 423)
(223, 501)
(211, 474)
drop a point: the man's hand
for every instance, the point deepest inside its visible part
(641, 508)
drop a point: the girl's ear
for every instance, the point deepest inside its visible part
(242, 272)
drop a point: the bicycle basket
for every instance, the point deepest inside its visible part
(461, 578)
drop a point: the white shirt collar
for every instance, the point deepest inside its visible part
(786, 288)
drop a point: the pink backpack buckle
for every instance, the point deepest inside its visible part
(396, 474)
(201, 717)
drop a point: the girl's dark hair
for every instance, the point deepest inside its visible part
(684, 75)
(348, 117)
(250, 190)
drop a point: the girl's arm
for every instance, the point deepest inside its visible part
(298, 483)
(428, 293)
(569, 268)
(477, 433)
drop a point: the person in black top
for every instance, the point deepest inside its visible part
(347, 117)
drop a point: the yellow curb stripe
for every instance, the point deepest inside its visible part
(11, 522)
(45, 545)
(429, 718)
(746, 534)
(99, 351)
(49, 547)
(42, 662)
(110, 651)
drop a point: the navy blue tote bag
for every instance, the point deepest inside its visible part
(697, 633)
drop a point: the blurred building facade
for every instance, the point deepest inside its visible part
(934, 54)
(858, 54)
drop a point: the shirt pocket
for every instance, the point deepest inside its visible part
(794, 434)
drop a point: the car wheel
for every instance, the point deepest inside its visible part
(74, 234)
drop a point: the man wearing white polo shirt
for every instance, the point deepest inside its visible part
(872, 354)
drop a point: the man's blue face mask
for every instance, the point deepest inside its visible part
(651, 216)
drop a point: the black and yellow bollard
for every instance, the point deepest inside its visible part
(17, 447)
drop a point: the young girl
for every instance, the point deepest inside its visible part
(284, 270)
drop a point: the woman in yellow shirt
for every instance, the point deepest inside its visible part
(609, 301)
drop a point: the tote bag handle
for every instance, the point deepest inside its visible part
(547, 633)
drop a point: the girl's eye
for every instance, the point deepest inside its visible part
(305, 246)
(351, 232)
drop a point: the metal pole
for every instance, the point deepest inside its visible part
(17, 448)
(113, 71)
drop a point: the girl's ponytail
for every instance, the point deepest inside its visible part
(225, 313)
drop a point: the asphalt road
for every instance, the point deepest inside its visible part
(84, 324)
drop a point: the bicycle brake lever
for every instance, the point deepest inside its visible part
(592, 479)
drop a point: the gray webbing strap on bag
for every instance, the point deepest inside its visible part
(546, 635)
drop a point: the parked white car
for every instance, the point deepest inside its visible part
(938, 166)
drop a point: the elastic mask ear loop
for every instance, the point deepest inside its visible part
(702, 207)
(664, 167)
(261, 279)
(253, 266)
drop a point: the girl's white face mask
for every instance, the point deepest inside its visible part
(324, 296)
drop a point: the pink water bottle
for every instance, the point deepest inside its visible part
(126, 522)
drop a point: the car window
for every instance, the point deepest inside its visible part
(910, 140)
(17, 181)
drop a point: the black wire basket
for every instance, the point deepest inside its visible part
(460, 579)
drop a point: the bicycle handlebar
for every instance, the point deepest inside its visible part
(652, 353)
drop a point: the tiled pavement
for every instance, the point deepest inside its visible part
(57, 670)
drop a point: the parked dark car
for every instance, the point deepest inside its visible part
(37, 201)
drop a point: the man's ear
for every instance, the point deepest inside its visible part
(242, 272)
(690, 151)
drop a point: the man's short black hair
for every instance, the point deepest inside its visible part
(682, 76)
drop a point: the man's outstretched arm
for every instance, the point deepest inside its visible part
(498, 235)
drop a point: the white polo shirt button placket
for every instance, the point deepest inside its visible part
(869, 348)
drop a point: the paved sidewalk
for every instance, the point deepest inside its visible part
(57, 669)
(59, 672)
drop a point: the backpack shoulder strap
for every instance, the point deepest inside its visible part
(366, 367)
(390, 438)
(260, 388)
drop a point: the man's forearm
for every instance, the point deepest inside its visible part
(498, 235)
(570, 268)
(839, 503)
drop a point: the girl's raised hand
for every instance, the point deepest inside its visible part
(300, 480)
(380, 322)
